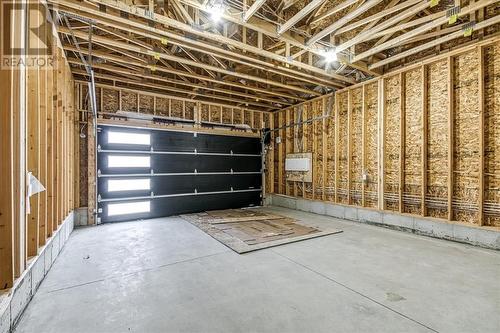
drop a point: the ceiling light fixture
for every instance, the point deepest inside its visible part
(330, 55)
(216, 10)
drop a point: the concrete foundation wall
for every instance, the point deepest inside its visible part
(14, 301)
(488, 238)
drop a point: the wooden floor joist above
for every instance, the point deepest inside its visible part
(273, 55)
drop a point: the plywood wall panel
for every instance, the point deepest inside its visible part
(371, 139)
(330, 149)
(215, 114)
(110, 100)
(392, 143)
(437, 139)
(492, 134)
(356, 128)
(466, 143)
(430, 118)
(342, 148)
(146, 104)
(129, 101)
(162, 108)
(413, 141)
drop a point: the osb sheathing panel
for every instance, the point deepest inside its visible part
(162, 107)
(491, 11)
(342, 147)
(267, 124)
(413, 141)
(392, 143)
(146, 104)
(356, 127)
(289, 145)
(176, 108)
(205, 112)
(466, 139)
(110, 100)
(466, 129)
(293, 149)
(247, 118)
(215, 114)
(276, 153)
(298, 144)
(492, 134)
(330, 149)
(318, 148)
(227, 115)
(308, 137)
(371, 138)
(83, 171)
(237, 118)
(437, 138)
(190, 110)
(256, 119)
(129, 101)
(98, 94)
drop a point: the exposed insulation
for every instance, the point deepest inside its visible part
(466, 143)
(492, 135)
(437, 140)
(412, 188)
(392, 146)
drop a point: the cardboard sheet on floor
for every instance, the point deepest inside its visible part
(246, 230)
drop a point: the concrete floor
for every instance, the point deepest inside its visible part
(165, 275)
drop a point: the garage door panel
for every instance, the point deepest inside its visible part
(227, 144)
(175, 169)
(183, 163)
(181, 205)
(161, 185)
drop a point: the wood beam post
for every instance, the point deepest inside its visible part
(8, 105)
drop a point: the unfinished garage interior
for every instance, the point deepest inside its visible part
(250, 166)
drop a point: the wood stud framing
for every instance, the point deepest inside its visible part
(425, 202)
(38, 136)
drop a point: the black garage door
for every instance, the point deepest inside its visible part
(147, 173)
